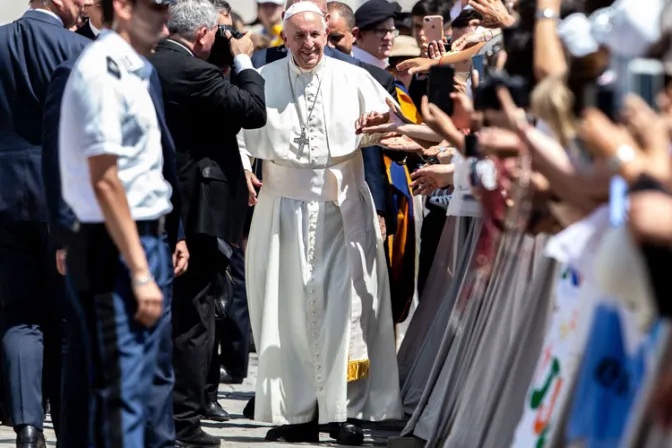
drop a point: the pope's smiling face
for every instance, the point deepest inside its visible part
(305, 35)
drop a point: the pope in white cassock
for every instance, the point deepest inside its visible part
(317, 281)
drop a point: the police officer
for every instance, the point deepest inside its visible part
(119, 262)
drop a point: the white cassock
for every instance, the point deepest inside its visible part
(317, 282)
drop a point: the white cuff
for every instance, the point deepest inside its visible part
(245, 159)
(242, 62)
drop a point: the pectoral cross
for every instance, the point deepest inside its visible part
(302, 141)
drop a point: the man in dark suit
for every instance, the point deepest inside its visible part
(32, 291)
(94, 13)
(75, 407)
(204, 112)
(374, 168)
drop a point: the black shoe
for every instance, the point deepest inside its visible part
(199, 439)
(304, 433)
(29, 437)
(248, 412)
(216, 413)
(347, 433)
(225, 378)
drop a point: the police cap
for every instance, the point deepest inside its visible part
(375, 11)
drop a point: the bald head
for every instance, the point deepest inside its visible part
(322, 4)
(340, 9)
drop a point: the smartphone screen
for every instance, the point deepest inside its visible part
(646, 78)
(471, 145)
(477, 63)
(440, 86)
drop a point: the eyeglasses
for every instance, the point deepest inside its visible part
(382, 32)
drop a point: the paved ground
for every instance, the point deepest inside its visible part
(237, 433)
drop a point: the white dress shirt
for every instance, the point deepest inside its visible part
(368, 58)
(107, 109)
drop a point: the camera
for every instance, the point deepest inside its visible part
(485, 95)
(220, 55)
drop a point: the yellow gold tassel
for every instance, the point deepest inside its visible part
(358, 370)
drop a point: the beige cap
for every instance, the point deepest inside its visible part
(405, 47)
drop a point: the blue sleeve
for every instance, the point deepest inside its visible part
(259, 58)
(61, 217)
(180, 232)
(375, 175)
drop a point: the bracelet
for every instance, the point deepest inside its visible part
(547, 13)
(142, 280)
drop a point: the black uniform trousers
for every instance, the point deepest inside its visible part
(430, 236)
(194, 332)
(232, 347)
(32, 294)
(123, 359)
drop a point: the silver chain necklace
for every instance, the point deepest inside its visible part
(302, 140)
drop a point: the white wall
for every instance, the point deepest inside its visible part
(248, 8)
(11, 10)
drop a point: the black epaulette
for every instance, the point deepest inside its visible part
(113, 68)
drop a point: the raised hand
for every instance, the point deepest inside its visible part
(417, 65)
(468, 40)
(436, 50)
(603, 138)
(396, 142)
(495, 14)
(651, 134)
(463, 110)
(377, 123)
(430, 178)
(440, 122)
(244, 45)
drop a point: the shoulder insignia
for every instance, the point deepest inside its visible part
(113, 68)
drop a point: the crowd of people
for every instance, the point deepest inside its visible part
(454, 218)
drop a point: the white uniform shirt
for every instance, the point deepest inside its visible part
(107, 109)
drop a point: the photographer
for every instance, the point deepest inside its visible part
(204, 112)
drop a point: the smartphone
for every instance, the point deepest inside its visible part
(433, 28)
(471, 146)
(646, 78)
(478, 65)
(440, 86)
(602, 97)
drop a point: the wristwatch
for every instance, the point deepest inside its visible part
(624, 154)
(547, 13)
(142, 280)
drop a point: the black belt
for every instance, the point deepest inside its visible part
(153, 227)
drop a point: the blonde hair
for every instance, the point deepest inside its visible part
(553, 102)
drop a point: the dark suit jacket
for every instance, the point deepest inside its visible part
(205, 112)
(86, 31)
(61, 217)
(30, 50)
(374, 168)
